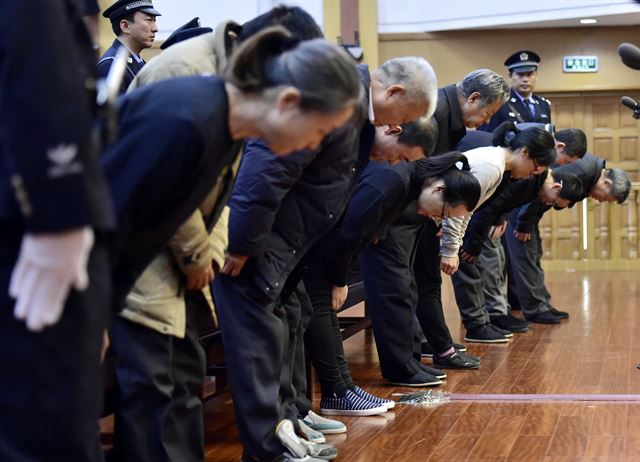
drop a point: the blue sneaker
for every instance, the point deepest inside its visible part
(350, 404)
(374, 399)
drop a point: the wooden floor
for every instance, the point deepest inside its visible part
(595, 352)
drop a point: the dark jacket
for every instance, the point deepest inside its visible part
(49, 175)
(588, 170)
(515, 110)
(106, 60)
(509, 196)
(448, 116)
(164, 164)
(281, 206)
(382, 195)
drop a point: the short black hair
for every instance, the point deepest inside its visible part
(575, 141)
(115, 23)
(297, 21)
(422, 132)
(572, 189)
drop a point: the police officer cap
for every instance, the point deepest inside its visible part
(522, 61)
(187, 31)
(124, 7)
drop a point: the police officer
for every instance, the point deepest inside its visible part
(522, 105)
(54, 207)
(134, 23)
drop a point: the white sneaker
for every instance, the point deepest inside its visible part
(286, 434)
(324, 425)
(311, 434)
(320, 451)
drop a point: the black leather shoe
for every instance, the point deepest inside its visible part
(427, 349)
(507, 333)
(485, 334)
(419, 379)
(433, 371)
(455, 360)
(558, 313)
(510, 323)
(546, 317)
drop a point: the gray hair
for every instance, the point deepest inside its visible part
(416, 75)
(620, 184)
(490, 85)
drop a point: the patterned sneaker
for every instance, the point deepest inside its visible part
(350, 404)
(310, 434)
(374, 399)
(324, 425)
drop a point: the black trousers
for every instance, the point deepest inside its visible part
(293, 380)
(392, 296)
(255, 341)
(51, 381)
(323, 339)
(159, 380)
(429, 281)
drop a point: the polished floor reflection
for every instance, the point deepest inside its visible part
(594, 352)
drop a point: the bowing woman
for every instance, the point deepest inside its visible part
(177, 136)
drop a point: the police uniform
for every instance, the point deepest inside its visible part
(50, 182)
(516, 109)
(134, 62)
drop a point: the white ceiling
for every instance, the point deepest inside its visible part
(398, 16)
(629, 19)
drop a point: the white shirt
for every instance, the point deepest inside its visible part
(487, 165)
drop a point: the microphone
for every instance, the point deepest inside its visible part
(630, 55)
(631, 104)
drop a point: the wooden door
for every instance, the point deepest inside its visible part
(593, 235)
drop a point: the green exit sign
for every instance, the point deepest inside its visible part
(580, 64)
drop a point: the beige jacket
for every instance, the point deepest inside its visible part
(157, 298)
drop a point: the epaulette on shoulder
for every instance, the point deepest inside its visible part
(105, 59)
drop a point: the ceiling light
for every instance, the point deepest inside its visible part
(588, 21)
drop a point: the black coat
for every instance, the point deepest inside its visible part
(164, 164)
(588, 170)
(448, 116)
(282, 206)
(382, 195)
(106, 60)
(508, 196)
(49, 174)
(514, 110)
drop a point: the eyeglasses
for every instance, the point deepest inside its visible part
(444, 204)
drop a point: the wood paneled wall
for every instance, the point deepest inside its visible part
(455, 53)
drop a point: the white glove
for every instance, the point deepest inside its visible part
(47, 267)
